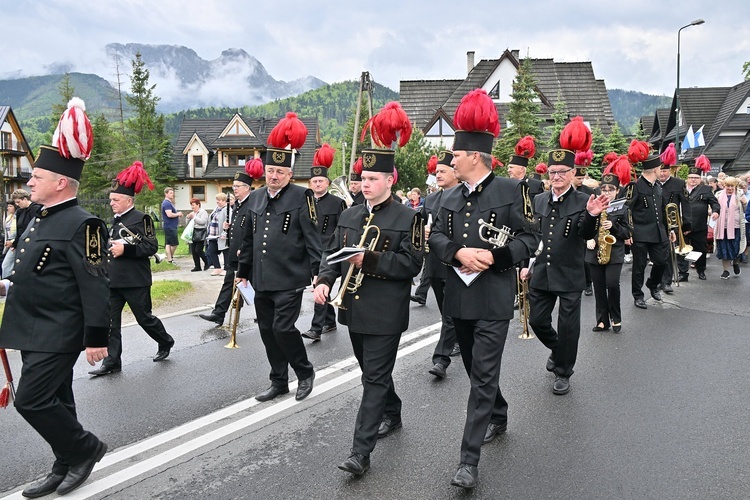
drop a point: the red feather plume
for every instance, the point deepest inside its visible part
(541, 168)
(620, 166)
(703, 164)
(357, 167)
(290, 131)
(638, 151)
(5, 396)
(477, 113)
(73, 136)
(432, 165)
(389, 124)
(496, 163)
(583, 158)
(254, 168)
(609, 158)
(395, 175)
(576, 136)
(669, 156)
(135, 176)
(324, 156)
(525, 147)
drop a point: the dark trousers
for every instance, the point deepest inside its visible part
(139, 300)
(276, 313)
(424, 282)
(563, 342)
(668, 276)
(482, 343)
(323, 315)
(376, 355)
(224, 300)
(587, 273)
(212, 253)
(607, 293)
(447, 332)
(198, 253)
(699, 241)
(659, 254)
(45, 399)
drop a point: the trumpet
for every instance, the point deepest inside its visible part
(522, 289)
(502, 235)
(352, 285)
(234, 316)
(341, 189)
(128, 236)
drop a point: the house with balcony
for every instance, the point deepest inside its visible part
(16, 159)
(431, 104)
(209, 151)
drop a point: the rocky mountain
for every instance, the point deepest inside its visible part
(186, 81)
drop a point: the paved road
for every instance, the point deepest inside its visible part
(659, 411)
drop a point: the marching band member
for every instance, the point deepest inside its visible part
(701, 198)
(479, 288)
(379, 281)
(518, 162)
(674, 191)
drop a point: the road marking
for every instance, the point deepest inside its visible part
(137, 469)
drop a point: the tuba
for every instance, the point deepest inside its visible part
(604, 241)
(347, 283)
(341, 189)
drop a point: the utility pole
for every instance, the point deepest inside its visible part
(365, 85)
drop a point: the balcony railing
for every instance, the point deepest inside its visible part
(14, 146)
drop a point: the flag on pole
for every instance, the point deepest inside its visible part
(689, 142)
(700, 141)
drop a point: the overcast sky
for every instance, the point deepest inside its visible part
(632, 45)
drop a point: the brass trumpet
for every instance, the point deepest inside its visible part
(234, 316)
(674, 222)
(522, 289)
(347, 284)
(128, 236)
(502, 235)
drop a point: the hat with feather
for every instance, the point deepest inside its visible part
(574, 137)
(71, 143)
(287, 136)
(131, 180)
(356, 173)
(253, 170)
(639, 154)
(322, 161)
(390, 125)
(476, 123)
(525, 149)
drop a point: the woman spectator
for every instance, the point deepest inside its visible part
(215, 232)
(606, 276)
(415, 199)
(10, 236)
(199, 216)
(730, 227)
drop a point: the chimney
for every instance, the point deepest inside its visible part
(469, 61)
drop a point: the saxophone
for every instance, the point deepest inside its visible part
(605, 242)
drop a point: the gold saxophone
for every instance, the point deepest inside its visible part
(605, 241)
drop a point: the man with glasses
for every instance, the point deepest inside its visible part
(566, 218)
(700, 198)
(235, 231)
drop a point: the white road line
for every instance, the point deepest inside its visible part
(180, 450)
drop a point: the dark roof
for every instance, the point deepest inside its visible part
(733, 149)
(4, 110)
(208, 131)
(647, 123)
(574, 83)
(700, 106)
(659, 129)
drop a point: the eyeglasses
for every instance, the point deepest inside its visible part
(558, 173)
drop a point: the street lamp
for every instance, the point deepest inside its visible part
(677, 94)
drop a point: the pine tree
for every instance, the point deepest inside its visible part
(599, 149)
(67, 92)
(560, 117)
(411, 163)
(616, 141)
(102, 166)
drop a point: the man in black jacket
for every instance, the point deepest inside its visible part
(132, 242)
(59, 306)
(280, 256)
(377, 313)
(566, 218)
(701, 198)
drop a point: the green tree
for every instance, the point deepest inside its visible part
(67, 92)
(145, 133)
(522, 113)
(411, 163)
(560, 118)
(599, 149)
(102, 167)
(616, 141)
(746, 70)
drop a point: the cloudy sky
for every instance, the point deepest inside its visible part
(632, 45)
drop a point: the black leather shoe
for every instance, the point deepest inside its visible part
(312, 335)
(682, 278)
(466, 476)
(271, 393)
(44, 486)
(515, 302)
(195, 269)
(456, 351)
(388, 426)
(598, 328)
(213, 318)
(655, 294)
(561, 385)
(419, 300)
(616, 328)
(493, 430)
(357, 464)
(550, 364)
(305, 387)
(588, 292)
(105, 370)
(163, 352)
(77, 474)
(667, 288)
(438, 370)
(329, 329)
(641, 304)
(701, 275)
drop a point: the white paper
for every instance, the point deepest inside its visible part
(344, 254)
(469, 278)
(712, 223)
(247, 292)
(693, 256)
(615, 205)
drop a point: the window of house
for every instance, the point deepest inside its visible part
(237, 160)
(495, 92)
(6, 140)
(198, 192)
(197, 166)
(236, 130)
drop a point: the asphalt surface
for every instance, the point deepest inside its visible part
(658, 411)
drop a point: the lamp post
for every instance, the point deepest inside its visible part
(677, 93)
